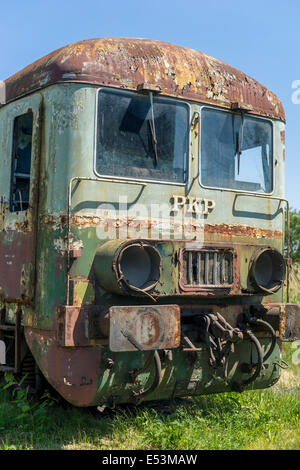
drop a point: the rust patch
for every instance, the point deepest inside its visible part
(223, 230)
(72, 326)
(16, 268)
(72, 372)
(126, 63)
(145, 328)
(290, 322)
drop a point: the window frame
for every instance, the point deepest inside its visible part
(124, 178)
(12, 171)
(254, 116)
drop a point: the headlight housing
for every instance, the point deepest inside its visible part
(127, 267)
(139, 266)
(267, 271)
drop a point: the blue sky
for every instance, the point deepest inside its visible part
(261, 38)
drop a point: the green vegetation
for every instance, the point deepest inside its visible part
(295, 283)
(266, 419)
(295, 235)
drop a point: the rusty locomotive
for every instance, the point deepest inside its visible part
(142, 246)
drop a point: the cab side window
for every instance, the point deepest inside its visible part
(21, 162)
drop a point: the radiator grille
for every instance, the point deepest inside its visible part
(208, 267)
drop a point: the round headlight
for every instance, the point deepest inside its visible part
(139, 266)
(127, 266)
(268, 270)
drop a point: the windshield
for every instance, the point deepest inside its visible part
(236, 151)
(141, 136)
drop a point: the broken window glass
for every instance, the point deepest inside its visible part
(140, 136)
(236, 151)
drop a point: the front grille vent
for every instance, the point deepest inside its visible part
(207, 268)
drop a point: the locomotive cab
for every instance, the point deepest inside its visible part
(143, 253)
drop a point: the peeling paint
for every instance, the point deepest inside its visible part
(124, 63)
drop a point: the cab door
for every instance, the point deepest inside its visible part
(20, 123)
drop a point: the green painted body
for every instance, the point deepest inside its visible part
(66, 150)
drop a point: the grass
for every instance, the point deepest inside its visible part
(266, 419)
(295, 283)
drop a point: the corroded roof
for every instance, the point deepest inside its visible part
(126, 63)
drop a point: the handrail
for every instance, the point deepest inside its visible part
(281, 199)
(84, 178)
(114, 180)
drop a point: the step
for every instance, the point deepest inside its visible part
(7, 327)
